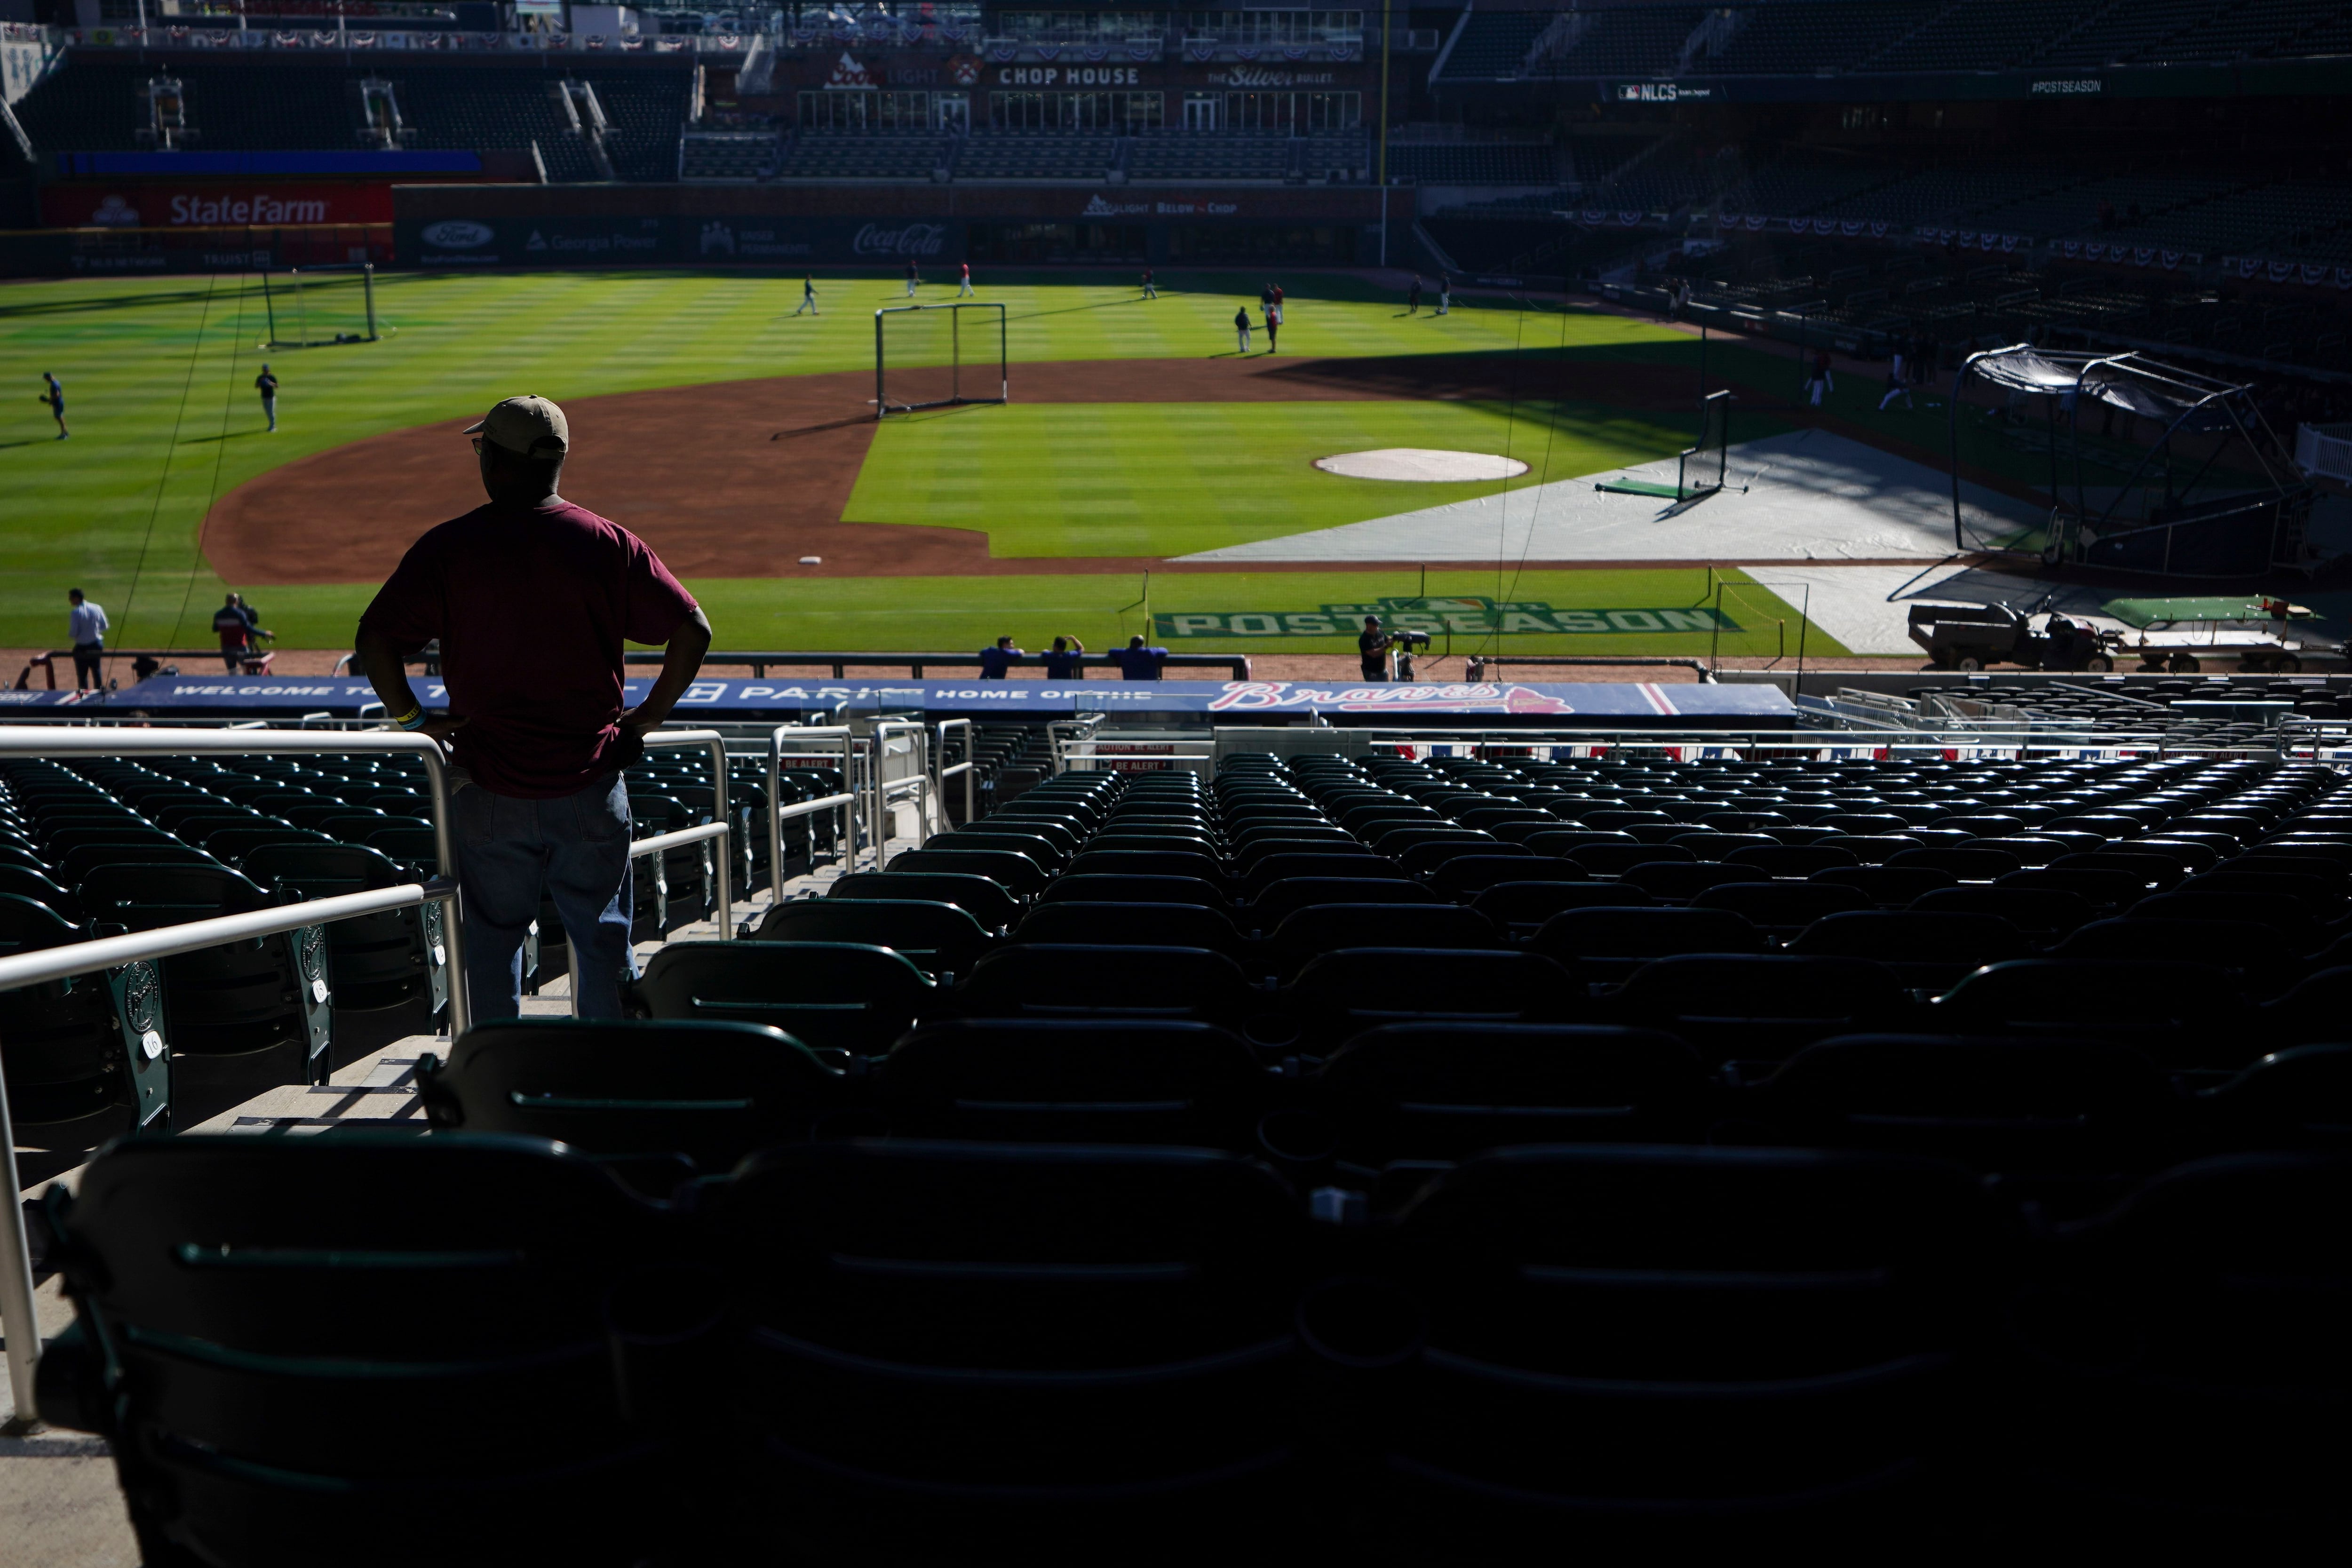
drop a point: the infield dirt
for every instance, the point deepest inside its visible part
(744, 478)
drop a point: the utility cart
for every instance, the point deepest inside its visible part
(1971, 637)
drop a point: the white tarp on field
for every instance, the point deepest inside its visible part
(1811, 496)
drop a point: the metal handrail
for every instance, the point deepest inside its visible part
(110, 740)
(920, 782)
(941, 770)
(18, 1318)
(715, 745)
(83, 957)
(777, 812)
(73, 958)
(1477, 667)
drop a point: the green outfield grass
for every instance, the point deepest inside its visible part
(1169, 479)
(159, 376)
(960, 613)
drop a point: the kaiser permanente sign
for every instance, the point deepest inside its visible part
(1438, 617)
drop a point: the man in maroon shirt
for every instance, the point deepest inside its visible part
(531, 598)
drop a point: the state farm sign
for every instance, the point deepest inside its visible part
(265, 204)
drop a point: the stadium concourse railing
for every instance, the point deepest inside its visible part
(1124, 751)
(1479, 668)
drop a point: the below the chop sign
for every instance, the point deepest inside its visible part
(1439, 616)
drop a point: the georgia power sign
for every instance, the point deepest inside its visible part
(1438, 617)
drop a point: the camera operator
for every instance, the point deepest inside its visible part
(1372, 646)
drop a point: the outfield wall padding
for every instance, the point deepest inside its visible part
(446, 226)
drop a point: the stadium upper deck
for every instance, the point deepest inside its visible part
(1638, 40)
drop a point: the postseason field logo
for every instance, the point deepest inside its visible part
(1471, 616)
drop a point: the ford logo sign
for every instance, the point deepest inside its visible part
(456, 234)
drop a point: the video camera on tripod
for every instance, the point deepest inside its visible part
(1401, 643)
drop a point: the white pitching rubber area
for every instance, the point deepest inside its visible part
(1421, 464)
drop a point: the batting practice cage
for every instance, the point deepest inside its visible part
(2132, 465)
(929, 356)
(312, 307)
(1701, 469)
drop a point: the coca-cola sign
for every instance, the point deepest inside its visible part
(914, 239)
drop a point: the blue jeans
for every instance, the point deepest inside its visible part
(574, 849)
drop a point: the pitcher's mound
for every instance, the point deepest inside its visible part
(1421, 464)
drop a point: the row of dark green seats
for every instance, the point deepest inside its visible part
(936, 1348)
(103, 845)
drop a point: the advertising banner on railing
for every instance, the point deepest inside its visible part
(782, 700)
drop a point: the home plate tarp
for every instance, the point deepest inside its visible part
(1596, 705)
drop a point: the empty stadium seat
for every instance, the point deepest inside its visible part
(937, 938)
(1605, 942)
(2200, 1309)
(1316, 929)
(1143, 924)
(1996, 1103)
(984, 900)
(843, 995)
(709, 1092)
(1758, 1005)
(1523, 907)
(1034, 1342)
(1015, 872)
(1759, 1330)
(1441, 1090)
(279, 1357)
(1342, 993)
(1924, 949)
(1094, 980)
(2182, 1011)
(1072, 1081)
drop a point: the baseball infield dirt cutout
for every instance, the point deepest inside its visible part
(748, 478)
(1421, 465)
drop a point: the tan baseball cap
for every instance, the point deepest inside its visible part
(532, 426)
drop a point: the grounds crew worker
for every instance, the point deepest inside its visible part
(532, 597)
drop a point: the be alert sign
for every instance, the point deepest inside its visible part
(258, 204)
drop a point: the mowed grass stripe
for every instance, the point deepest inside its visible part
(956, 614)
(1164, 479)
